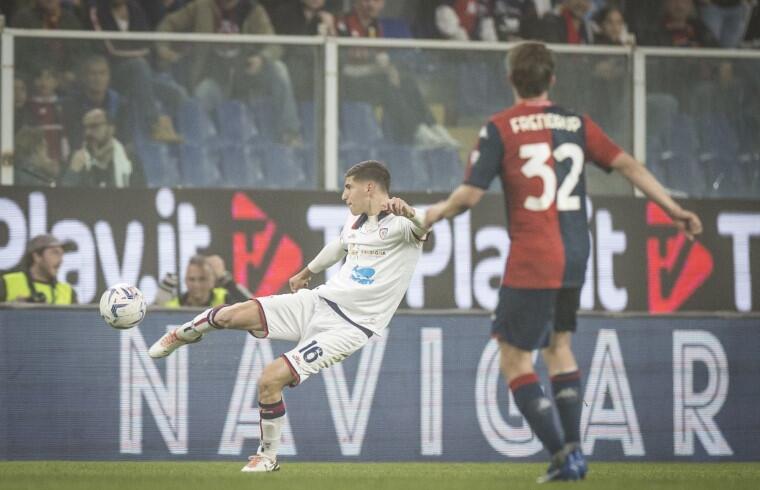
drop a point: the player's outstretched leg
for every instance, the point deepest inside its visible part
(272, 412)
(240, 316)
(189, 333)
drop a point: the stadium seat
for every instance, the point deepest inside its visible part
(443, 167)
(395, 28)
(719, 149)
(199, 168)
(199, 154)
(407, 166)
(261, 112)
(282, 166)
(240, 166)
(159, 166)
(309, 125)
(358, 124)
(235, 123)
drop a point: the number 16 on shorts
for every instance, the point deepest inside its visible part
(311, 351)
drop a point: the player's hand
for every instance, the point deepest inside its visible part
(300, 280)
(399, 207)
(434, 214)
(687, 222)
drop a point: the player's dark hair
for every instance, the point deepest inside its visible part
(371, 170)
(531, 68)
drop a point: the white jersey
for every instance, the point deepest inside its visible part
(380, 258)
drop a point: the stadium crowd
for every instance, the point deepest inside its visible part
(147, 92)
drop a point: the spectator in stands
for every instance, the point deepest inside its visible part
(55, 53)
(609, 75)
(92, 92)
(133, 74)
(302, 18)
(20, 98)
(465, 20)
(32, 165)
(44, 111)
(103, 160)
(752, 36)
(155, 10)
(245, 71)
(37, 280)
(207, 285)
(567, 24)
(726, 19)
(679, 27)
(369, 75)
(512, 18)
(612, 29)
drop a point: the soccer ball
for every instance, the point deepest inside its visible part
(122, 306)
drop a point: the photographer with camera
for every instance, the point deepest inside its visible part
(208, 283)
(37, 281)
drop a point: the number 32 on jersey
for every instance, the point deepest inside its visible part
(537, 156)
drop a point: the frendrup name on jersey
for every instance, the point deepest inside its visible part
(544, 120)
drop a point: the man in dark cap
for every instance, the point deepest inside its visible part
(37, 281)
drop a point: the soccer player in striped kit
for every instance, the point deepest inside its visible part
(539, 150)
(381, 241)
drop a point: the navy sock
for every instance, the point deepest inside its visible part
(537, 410)
(567, 395)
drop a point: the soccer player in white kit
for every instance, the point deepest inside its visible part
(381, 241)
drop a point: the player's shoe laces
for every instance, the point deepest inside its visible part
(563, 468)
(259, 463)
(173, 340)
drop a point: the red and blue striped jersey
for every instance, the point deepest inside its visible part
(539, 150)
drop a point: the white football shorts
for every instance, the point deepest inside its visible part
(324, 337)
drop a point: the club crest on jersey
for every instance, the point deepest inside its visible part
(362, 275)
(383, 232)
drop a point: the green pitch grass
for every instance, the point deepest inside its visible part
(60, 475)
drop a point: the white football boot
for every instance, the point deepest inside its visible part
(259, 463)
(176, 338)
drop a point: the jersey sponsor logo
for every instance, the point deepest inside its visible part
(676, 266)
(355, 250)
(362, 275)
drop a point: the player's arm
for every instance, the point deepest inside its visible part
(329, 255)
(463, 198)
(643, 180)
(399, 207)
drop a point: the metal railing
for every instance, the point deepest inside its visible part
(635, 79)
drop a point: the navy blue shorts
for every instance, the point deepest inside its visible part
(525, 318)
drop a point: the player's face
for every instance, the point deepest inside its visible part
(199, 281)
(48, 262)
(356, 196)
